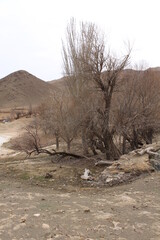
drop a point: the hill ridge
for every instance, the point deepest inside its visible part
(21, 88)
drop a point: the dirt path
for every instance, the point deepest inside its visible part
(10, 130)
(126, 212)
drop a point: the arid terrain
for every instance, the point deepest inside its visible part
(79, 120)
(126, 212)
(63, 206)
(9, 131)
(44, 197)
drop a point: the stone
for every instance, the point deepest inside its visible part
(36, 214)
(45, 226)
(115, 226)
(87, 175)
(48, 175)
(155, 163)
(87, 210)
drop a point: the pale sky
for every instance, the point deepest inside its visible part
(31, 31)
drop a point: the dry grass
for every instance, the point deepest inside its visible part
(132, 163)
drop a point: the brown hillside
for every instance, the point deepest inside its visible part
(20, 89)
(58, 84)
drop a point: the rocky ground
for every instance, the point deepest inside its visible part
(129, 211)
(42, 198)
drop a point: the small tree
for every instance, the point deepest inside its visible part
(67, 119)
(48, 120)
(29, 141)
(59, 118)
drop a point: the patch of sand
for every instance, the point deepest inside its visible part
(10, 130)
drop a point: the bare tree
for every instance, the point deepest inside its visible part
(136, 109)
(68, 120)
(85, 59)
(48, 120)
(77, 83)
(29, 141)
(60, 118)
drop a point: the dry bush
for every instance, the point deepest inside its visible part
(28, 141)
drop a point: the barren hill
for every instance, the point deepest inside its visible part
(58, 84)
(20, 89)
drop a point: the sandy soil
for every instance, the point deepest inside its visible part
(10, 130)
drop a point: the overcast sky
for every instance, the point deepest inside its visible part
(31, 31)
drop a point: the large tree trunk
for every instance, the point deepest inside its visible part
(112, 152)
(148, 136)
(124, 145)
(57, 143)
(84, 141)
(68, 146)
(135, 139)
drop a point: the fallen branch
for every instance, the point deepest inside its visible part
(53, 153)
(149, 151)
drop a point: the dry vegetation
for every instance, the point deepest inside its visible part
(103, 106)
(99, 108)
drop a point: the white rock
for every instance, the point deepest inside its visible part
(116, 227)
(109, 180)
(86, 174)
(36, 214)
(45, 226)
